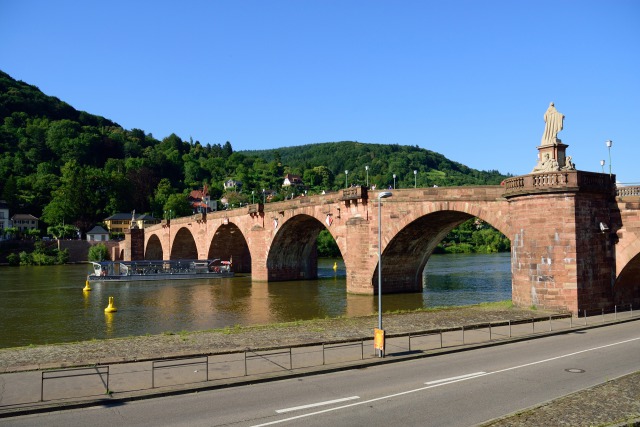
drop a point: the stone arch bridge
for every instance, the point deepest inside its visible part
(575, 241)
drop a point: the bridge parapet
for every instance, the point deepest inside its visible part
(628, 191)
(560, 181)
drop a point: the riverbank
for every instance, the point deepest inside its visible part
(612, 403)
(172, 344)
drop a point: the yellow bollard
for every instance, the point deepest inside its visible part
(335, 266)
(110, 308)
(86, 286)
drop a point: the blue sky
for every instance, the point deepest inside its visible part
(468, 79)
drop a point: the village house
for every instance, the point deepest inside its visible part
(291, 180)
(120, 222)
(97, 234)
(24, 222)
(200, 200)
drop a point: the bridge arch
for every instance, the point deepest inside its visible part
(184, 245)
(406, 255)
(293, 253)
(627, 284)
(153, 251)
(494, 215)
(228, 242)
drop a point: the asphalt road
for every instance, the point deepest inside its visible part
(460, 389)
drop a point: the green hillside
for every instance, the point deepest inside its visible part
(383, 161)
(68, 166)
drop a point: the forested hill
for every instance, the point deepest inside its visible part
(17, 96)
(68, 166)
(383, 161)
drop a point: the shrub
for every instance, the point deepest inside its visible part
(13, 259)
(98, 252)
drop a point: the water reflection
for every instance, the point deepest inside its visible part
(46, 304)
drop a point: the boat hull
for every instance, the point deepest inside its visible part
(147, 270)
(151, 277)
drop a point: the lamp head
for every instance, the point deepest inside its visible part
(609, 143)
(385, 194)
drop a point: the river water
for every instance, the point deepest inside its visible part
(40, 305)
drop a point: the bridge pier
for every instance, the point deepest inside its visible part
(561, 258)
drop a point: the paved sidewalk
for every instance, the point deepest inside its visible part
(35, 391)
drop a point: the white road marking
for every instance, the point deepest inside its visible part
(465, 378)
(446, 380)
(313, 405)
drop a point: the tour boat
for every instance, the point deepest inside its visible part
(126, 271)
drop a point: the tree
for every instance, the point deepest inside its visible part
(161, 196)
(327, 246)
(33, 233)
(98, 253)
(178, 205)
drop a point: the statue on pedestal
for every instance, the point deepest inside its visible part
(553, 124)
(134, 224)
(552, 152)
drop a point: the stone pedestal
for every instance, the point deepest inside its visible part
(552, 158)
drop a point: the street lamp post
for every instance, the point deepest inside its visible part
(253, 197)
(264, 196)
(366, 168)
(602, 164)
(394, 181)
(609, 144)
(415, 178)
(346, 178)
(382, 195)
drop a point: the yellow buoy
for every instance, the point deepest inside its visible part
(335, 266)
(110, 308)
(86, 286)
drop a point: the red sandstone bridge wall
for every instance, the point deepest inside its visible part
(625, 223)
(560, 258)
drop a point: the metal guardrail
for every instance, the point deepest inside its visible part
(99, 370)
(238, 364)
(179, 363)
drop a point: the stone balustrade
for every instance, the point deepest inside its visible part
(560, 181)
(629, 191)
